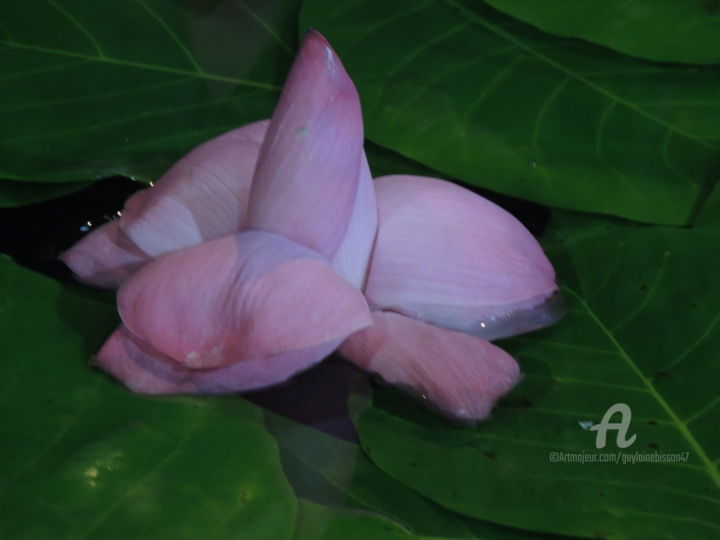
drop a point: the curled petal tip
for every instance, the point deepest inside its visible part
(313, 33)
(202, 196)
(305, 183)
(318, 50)
(105, 257)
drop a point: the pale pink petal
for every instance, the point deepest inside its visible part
(105, 257)
(352, 258)
(306, 180)
(452, 258)
(239, 297)
(460, 374)
(202, 196)
(254, 132)
(147, 371)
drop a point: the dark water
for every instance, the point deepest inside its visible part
(34, 235)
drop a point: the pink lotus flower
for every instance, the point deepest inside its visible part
(263, 250)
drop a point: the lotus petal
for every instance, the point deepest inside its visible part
(201, 197)
(452, 258)
(147, 371)
(352, 258)
(105, 257)
(239, 297)
(460, 374)
(307, 174)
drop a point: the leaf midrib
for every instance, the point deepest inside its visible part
(197, 74)
(711, 471)
(557, 65)
(604, 480)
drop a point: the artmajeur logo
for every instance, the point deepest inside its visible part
(621, 427)
(616, 418)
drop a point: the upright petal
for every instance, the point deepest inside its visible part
(105, 257)
(452, 258)
(306, 179)
(147, 371)
(239, 297)
(352, 258)
(460, 374)
(202, 196)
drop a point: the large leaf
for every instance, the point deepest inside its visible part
(83, 457)
(336, 473)
(93, 89)
(661, 30)
(494, 102)
(642, 329)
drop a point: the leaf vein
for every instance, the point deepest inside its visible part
(670, 165)
(108, 123)
(694, 344)
(265, 26)
(142, 65)
(395, 17)
(38, 71)
(172, 35)
(599, 134)
(542, 112)
(388, 75)
(711, 471)
(576, 75)
(101, 95)
(484, 92)
(611, 271)
(701, 412)
(648, 296)
(421, 88)
(81, 27)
